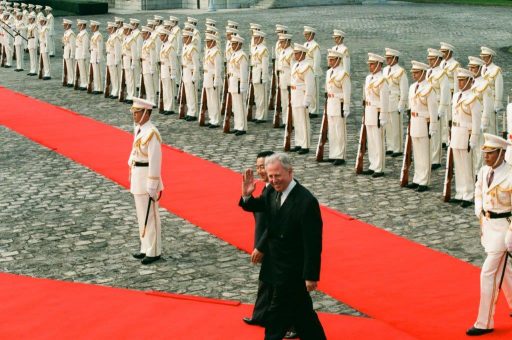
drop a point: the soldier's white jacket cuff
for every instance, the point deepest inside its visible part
(153, 182)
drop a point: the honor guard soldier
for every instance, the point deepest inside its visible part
(50, 22)
(284, 63)
(212, 81)
(32, 36)
(314, 57)
(145, 164)
(398, 88)
(149, 63)
(232, 24)
(130, 57)
(482, 89)
(196, 35)
(39, 15)
(25, 13)
(158, 21)
(8, 41)
(210, 22)
(423, 106)
(68, 55)
(137, 36)
(43, 49)
(493, 206)
(253, 28)
(212, 30)
(31, 9)
(238, 83)
(302, 94)
(338, 88)
(467, 110)
(190, 76)
(97, 51)
(450, 66)
(175, 36)
(339, 37)
(113, 50)
(21, 33)
(494, 76)
(168, 71)
(155, 37)
(438, 79)
(82, 53)
(120, 34)
(260, 75)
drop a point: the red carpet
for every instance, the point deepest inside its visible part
(415, 289)
(47, 309)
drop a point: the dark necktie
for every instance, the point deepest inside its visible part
(277, 203)
(490, 177)
(389, 70)
(429, 73)
(458, 100)
(417, 86)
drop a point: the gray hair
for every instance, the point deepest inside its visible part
(280, 157)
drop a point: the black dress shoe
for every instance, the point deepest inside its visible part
(412, 186)
(128, 101)
(378, 174)
(213, 126)
(454, 200)
(139, 255)
(396, 154)
(422, 188)
(31, 74)
(313, 115)
(444, 146)
(435, 166)
(240, 133)
(296, 149)
(52, 55)
(338, 162)
(114, 97)
(291, 335)
(82, 88)
(69, 85)
(389, 152)
(282, 126)
(330, 160)
(97, 92)
(473, 331)
(233, 131)
(7, 66)
(368, 172)
(252, 322)
(303, 151)
(47, 78)
(172, 112)
(191, 119)
(465, 204)
(260, 121)
(150, 259)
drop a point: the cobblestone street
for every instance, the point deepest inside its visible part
(60, 220)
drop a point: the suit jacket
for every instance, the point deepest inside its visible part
(260, 219)
(293, 238)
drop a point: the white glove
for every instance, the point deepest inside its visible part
(432, 130)
(508, 239)
(307, 103)
(473, 141)
(152, 193)
(441, 113)
(346, 113)
(383, 122)
(194, 78)
(485, 124)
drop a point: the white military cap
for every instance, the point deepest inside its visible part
(43, 18)
(23, 5)
(111, 24)
(151, 22)
(172, 18)
(309, 29)
(259, 34)
(163, 31)
(146, 29)
(209, 36)
(127, 26)
(48, 8)
(94, 23)
(391, 52)
(334, 54)
(419, 66)
(167, 23)
(211, 29)
(433, 53)
(30, 6)
(118, 19)
(158, 17)
(67, 22)
(237, 38)
(446, 47)
(81, 22)
(139, 103)
(299, 48)
(210, 21)
(487, 51)
(338, 33)
(463, 73)
(188, 25)
(475, 61)
(232, 30)
(16, 5)
(187, 33)
(254, 26)
(284, 36)
(232, 23)
(31, 16)
(134, 21)
(375, 58)
(280, 28)
(192, 20)
(493, 142)
(39, 7)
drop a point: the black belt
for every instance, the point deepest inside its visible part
(140, 164)
(490, 214)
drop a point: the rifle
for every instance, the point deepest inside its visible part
(204, 107)
(406, 163)
(507, 116)
(178, 97)
(225, 89)
(448, 176)
(362, 144)
(12, 29)
(3, 56)
(64, 72)
(161, 98)
(183, 101)
(108, 82)
(40, 75)
(227, 114)
(278, 111)
(250, 97)
(273, 87)
(91, 79)
(77, 76)
(142, 90)
(289, 123)
(323, 133)
(122, 88)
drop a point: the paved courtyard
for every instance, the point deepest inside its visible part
(62, 221)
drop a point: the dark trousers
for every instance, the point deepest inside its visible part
(262, 303)
(291, 304)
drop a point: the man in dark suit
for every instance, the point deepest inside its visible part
(293, 247)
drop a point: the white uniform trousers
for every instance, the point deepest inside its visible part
(148, 84)
(464, 176)
(445, 128)
(156, 81)
(46, 64)
(130, 83)
(376, 147)
(492, 123)
(137, 71)
(316, 97)
(96, 76)
(260, 98)
(51, 45)
(394, 132)
(284, 106)
(239, 111)
(168, 90)
(302, 127)
(8, 54)
(435, 143)
(114, 80)
(477, 154)
(83, 72)
(212, 98)
(32, 52)
(20, 56)
(191, 95)
(151, 243)
(337, 136)
(69, 69)
(421, 157)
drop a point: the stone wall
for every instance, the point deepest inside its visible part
(171, 4)
(302, 3)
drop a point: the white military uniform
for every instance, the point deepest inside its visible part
(177, 42)
(260, 77)
(168, 73)
(50, 22)
(494, 77)
(343, 49)
(68, 55)
(376, 97)
(81, 55)
(338, 88)
(493, 195)
(147, 149)
(137, 69)
(423, 106)
(284, 69)
(113, 50)
(450, 67)
(7, 41)
(190, 64)
(315, 58)
(19, 42)
(303, 91)
(212, 82)
(398, 83)
(96, 60)
(32, 36)
(130, 56)
(43, 50)
(149, 65)
(237, 86)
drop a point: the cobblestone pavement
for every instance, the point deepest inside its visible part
(60, 220)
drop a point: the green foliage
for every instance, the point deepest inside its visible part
(80, 7)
